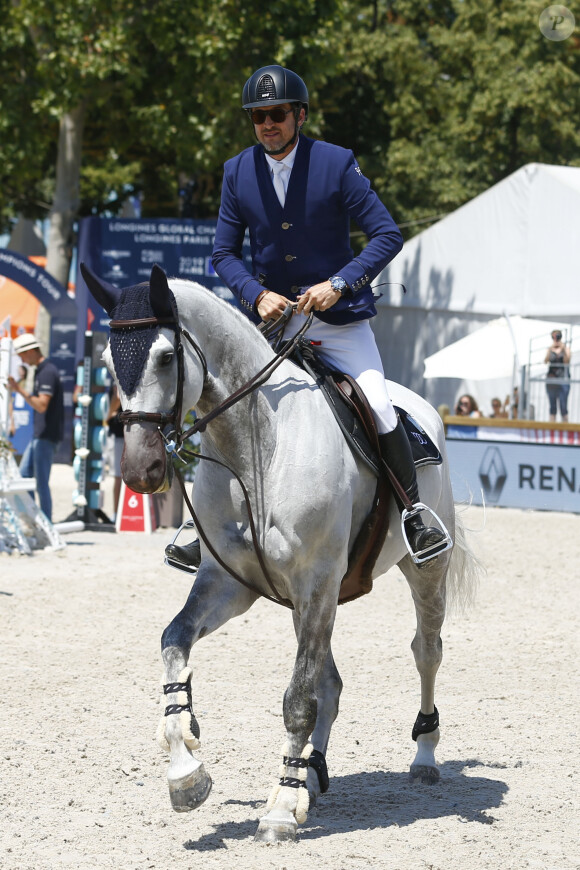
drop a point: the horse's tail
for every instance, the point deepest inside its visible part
(465, 570)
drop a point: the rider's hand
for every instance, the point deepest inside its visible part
(319, 297)
(271, 305)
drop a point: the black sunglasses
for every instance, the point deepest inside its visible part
(277, 114)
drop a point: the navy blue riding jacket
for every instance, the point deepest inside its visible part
(308, 240)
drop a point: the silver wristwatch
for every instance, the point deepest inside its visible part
(339, 284)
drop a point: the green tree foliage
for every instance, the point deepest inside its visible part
(438, 99)
(160, 84)
(443, 99)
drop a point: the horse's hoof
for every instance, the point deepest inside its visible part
(276, 829)
(190, 792)
(427, 775)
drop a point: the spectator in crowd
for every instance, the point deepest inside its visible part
(558, 376)
(513, 403)
(46, 401)
(467, 407)
(499, 410)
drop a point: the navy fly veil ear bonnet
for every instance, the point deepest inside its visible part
(136, 312)
(130, 345)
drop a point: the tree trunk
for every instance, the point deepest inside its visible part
(67, 194)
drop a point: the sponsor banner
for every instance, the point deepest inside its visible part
(517, 475)
(122, 252)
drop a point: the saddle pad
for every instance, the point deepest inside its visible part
(425, 451)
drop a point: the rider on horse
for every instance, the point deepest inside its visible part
(297, 196)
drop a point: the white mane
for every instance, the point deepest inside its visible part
(221, 313)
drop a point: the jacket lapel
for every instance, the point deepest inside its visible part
(270, 201)
(296, 194)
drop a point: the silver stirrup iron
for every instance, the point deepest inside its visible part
(434, 549)
(181, 566)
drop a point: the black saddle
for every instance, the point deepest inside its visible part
(354, 416)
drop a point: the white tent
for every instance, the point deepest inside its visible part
(511, 250)
(497, 350)
(514, 248)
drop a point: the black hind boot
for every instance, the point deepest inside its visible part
(425, 542)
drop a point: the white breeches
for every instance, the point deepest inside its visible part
(352, 349)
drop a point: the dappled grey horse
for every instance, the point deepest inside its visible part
(175, 347)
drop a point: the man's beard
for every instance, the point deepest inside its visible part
(273, 152)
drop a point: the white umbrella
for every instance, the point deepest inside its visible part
(497, 350)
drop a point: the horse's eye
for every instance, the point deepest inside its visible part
(167, 358)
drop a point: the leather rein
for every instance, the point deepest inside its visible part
(173, 418)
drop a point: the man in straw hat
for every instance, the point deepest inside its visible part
(46, 400)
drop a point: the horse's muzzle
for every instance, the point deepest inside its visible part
(145, 464)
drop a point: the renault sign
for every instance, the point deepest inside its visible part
(520, 475)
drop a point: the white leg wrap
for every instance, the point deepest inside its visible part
(160, 735)
(183, 700)
(185, 675)
(190, 740)
(297, 800)
(302, 805)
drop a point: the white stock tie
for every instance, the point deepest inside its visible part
(280, 171)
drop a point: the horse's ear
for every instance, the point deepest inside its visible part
(159, 293)
(106, 294)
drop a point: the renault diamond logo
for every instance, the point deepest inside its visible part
(493, 474)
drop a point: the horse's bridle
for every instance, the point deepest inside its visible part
(173, 418)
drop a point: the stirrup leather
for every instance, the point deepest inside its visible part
(174, 563)
(433, 550)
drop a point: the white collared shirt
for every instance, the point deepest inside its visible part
(288, 163)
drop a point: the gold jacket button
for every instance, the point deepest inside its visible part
(286, 225)
(289, 258)
(294, 289)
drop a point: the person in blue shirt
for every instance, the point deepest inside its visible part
(46, 401)
(297, 196)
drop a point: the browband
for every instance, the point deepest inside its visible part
(143, 321)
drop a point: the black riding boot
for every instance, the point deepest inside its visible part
(396, 453)
(187, 557)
